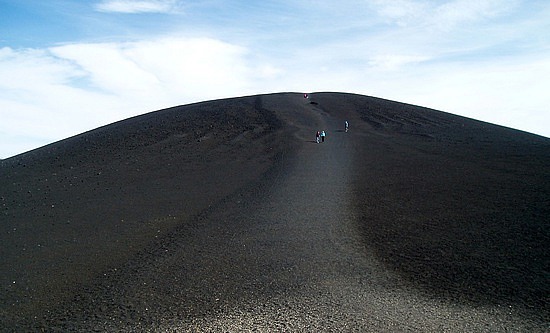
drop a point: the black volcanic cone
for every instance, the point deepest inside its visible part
(227, 216)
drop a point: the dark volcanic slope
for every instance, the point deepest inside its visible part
(226, 216)
(79, 207)
(459, 206)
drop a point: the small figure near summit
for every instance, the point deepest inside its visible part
(323, 136)
(346, 125)
(317, 136)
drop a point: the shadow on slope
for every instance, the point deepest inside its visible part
(456, 206)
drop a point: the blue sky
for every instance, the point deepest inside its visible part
(68, 66)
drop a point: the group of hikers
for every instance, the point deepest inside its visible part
(320, 135)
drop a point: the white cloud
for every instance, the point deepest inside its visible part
(198, 67)
(400, 12)
(268, 71)
(167, 70)
(107, 67)
(137, 6)
(32, 68)
(37, 103)
(442, 15)
(393, 62)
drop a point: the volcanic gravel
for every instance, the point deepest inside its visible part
(227, 216)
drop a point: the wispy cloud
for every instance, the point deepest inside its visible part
(138, 6)
(191, 68)
(393, 62)
(440, 14)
